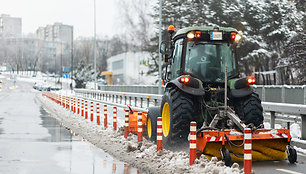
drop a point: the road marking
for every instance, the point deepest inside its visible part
(288, 171)
(301, 154)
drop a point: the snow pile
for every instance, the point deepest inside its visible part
(143, 155)
(295, 130)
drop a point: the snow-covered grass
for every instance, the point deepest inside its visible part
(142, 156)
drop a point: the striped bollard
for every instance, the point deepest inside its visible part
(192, 142)
(74, 105)
(71, 104)
(115, 118)
(139, 130)
(78, 103)
(67, 102)
(82, 108)
(247, 150)
(64, 101)
(67, 105)
(98, 113)
(159, 135)
(126, 125)
(91, 111)
(60, 98)
(86, 110)
(105, 116)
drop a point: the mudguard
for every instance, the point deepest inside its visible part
(238, 93)
(189, 90)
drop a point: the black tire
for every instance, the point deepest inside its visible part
(292, 155)
(182, 112)
(226, 156)
(153, 113)
(250, 109)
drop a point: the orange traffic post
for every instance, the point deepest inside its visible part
(105, 116)
(60, 100)
(126, 124)
(98, 113)
(159, 135)
(70, 103)
(82, 108)
(86, 110)
(115, 118)
(192, 142)
(78, 104)
(139, 130)
(67, 102)
(91, 111)
(247, 150)
(74, 105)
(64, 101)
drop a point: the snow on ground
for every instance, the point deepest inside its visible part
(142, 156)
(300, 150)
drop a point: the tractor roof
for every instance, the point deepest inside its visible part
(187, 29)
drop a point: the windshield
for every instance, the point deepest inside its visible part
(206, 60)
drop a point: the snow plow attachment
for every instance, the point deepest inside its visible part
(267, 144)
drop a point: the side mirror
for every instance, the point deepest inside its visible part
(162, 48)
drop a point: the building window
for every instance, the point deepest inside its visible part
(117, 65)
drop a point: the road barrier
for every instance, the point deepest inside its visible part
(139, 130)
(86, 110)
(126, 124)
(78, 111)
(91, 111)
(98, 113)
(105, 116)
(247, 150)
(74, 104)
(192, 142)
(115, 118)
(83, 109)
(159, 135)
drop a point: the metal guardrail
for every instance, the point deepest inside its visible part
(141, 101)
(137, 101)
(282, 93)
(270, 93)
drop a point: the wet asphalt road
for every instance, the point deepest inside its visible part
(32, 142)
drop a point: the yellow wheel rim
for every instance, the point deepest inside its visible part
(166, 119)
(149, 128)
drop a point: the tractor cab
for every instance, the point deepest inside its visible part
(202, 53)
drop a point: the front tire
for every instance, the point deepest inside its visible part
(177, 110)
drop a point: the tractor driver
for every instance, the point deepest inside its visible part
(203, 61)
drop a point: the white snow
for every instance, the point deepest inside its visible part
(295, 130)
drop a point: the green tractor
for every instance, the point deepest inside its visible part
(201, 61)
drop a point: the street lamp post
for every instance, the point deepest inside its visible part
(95, 56)
(160, 57)
(71, 78)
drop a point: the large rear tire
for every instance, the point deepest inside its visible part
(178, 110)
(250, 109)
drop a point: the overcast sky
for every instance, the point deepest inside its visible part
(79, 13)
